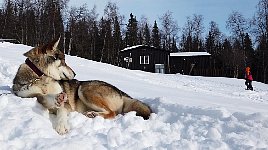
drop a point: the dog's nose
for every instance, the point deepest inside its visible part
(74, 73)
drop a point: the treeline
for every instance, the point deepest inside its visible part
(100, 38)
(31, 21)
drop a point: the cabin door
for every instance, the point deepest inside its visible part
(159, 68)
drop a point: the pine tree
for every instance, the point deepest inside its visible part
(96, 40)
(10, 20)
(132, 31)
(146, 35)
(51, 21)
(103, 43)
(226, 56)
(209, 44)
(109, 42)
(248, 48)
(1, 22)
(117, 44)
(140, 38)
(262, 55)
(155, 36)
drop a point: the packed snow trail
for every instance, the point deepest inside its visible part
(189, 112)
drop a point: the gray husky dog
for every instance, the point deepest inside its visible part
(46, 76)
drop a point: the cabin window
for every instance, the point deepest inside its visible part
(144, 59)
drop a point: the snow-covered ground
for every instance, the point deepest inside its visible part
(190, 112)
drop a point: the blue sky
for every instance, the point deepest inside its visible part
(212, 10)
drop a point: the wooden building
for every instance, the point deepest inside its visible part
(190, 63)
(146, 58)
(151, 59)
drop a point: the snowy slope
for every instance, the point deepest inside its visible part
(190, 112)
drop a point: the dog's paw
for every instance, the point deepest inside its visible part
(61, 98)
(91, 114)
(62, 128)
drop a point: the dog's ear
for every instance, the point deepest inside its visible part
(33, 52)
(55, 44)
(50, 47)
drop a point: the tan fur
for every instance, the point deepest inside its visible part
(101, 98)
(92, 98)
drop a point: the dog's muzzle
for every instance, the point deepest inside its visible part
(67, 73)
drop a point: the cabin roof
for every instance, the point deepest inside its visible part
(188, 54)
(136, 46)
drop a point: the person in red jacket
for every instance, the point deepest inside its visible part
(249, 79)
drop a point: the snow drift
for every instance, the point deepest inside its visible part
(189, 112)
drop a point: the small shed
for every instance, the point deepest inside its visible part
(146, 58)
(189, 63)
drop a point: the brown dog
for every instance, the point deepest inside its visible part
(45, 75)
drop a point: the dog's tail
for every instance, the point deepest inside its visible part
(141, 108)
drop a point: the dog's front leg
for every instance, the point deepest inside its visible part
(62, 126)
(57, 101)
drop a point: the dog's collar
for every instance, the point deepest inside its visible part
(34, 68)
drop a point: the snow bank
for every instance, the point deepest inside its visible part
(190, 112)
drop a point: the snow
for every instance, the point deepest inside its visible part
(133, 47)
(190, 112)
(187, 54)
